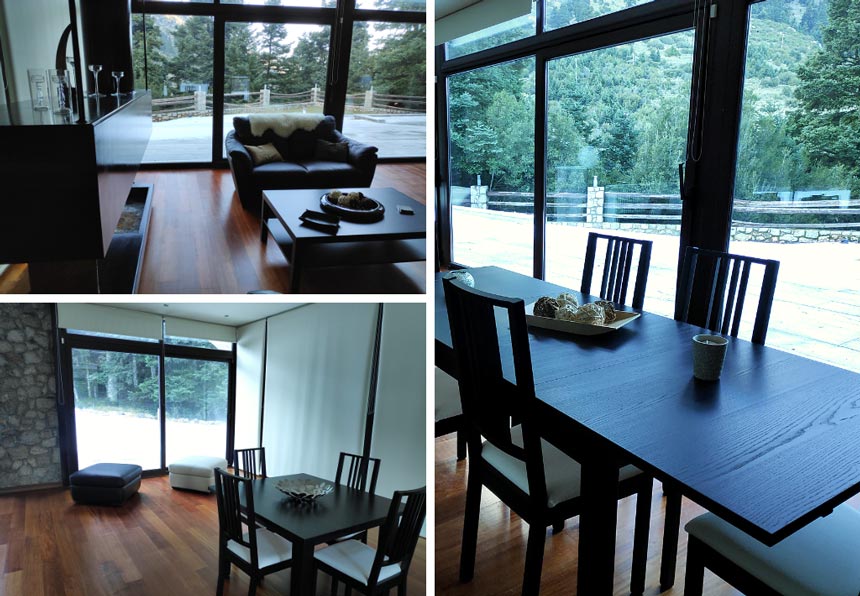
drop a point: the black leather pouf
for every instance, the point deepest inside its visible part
(105, 484)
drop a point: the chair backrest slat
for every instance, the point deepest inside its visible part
(359, 469)
(617, 268)
(489, 400)
(726, 290)
(245, 462)
(231, 514)
(399, 534)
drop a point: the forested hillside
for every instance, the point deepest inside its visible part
(621, 113)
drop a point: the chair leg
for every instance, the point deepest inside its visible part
(695, 575)
(671, 528)
(558, 527)
(640, 538)
(470, 527)
(333, 586)
(348, 590)
(534, 559)
(252, 585)
(401, 587)
(461, 445)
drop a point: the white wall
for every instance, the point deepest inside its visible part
(317, 375)
(399, 422)
(32, 32)
(249, 382)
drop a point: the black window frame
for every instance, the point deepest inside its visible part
(70, 340)
(718, 74)
(340, 19)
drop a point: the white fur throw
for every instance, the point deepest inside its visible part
(283, 125)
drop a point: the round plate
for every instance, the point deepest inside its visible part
(354, 215)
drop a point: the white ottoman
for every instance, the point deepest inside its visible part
(196, 472)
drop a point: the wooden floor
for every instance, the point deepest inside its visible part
(203, 241)
(502, 542)
(162, 542)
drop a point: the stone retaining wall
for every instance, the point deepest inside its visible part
(29, 445)
(740, 233)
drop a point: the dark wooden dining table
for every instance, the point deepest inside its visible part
(770, 447)
(341, 512)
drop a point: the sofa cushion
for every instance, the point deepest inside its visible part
(322, 174)
(106, 475)
(326, 151)
(280, 174)
(262, 154)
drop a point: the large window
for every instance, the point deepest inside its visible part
(491, 119)
(282, 56)
(178, 71)
(120, 409)
(797, 188)
(116, 407)
(386, 104)
(275, 69)
(616, 132)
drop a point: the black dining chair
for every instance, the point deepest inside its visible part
(360, 473)
(820, 559)
(258, 552)
(531, 476)
(448, 411)
(618, 263)
(245, 462)
(727, 279)
(376, 570)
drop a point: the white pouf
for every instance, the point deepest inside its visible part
(196, 472)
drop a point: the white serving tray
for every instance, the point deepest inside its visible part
(621, 319)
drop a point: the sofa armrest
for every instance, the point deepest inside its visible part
(360, 155)
(240, 159)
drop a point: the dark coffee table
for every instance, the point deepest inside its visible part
(396, 238)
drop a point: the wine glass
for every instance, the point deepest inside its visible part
(117, 75)
(96, 69)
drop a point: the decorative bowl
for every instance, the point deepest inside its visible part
(369, 210)
(622, 318)
(304, 490)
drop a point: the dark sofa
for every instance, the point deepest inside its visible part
(300, 168)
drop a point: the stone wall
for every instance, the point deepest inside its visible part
(29, 444)
(741, 233)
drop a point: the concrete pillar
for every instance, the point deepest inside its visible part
(594, 204)
(200, 101)
(265, 96)
(478, 196)
(368, 98)
(315, 95)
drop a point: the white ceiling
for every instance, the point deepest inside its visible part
(223, 313)
(446, 7)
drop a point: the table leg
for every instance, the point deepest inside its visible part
(302, 574)
(264, 230)
(597, 522)
(295, 268)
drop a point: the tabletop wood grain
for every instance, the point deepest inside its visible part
(770, 447)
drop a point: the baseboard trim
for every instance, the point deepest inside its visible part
(30, 488)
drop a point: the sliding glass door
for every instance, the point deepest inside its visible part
(616, 132)
(144, 402)
(116, 408)
(196, 402)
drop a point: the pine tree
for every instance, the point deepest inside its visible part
(273, 53)
(152, 67)
(193, 61)
(827, 121)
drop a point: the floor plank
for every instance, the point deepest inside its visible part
(160, 543)
(203, 241)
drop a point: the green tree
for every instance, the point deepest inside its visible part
(151, 67)
(273, 51)
(400, 61)
(193, 61)
(308, 63)
(240, 57)
(827, 121)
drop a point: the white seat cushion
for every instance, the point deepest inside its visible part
(271, 548)
(355, 559)
(563, 473)
(820, 559)
(197, 465)
(447, 396)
